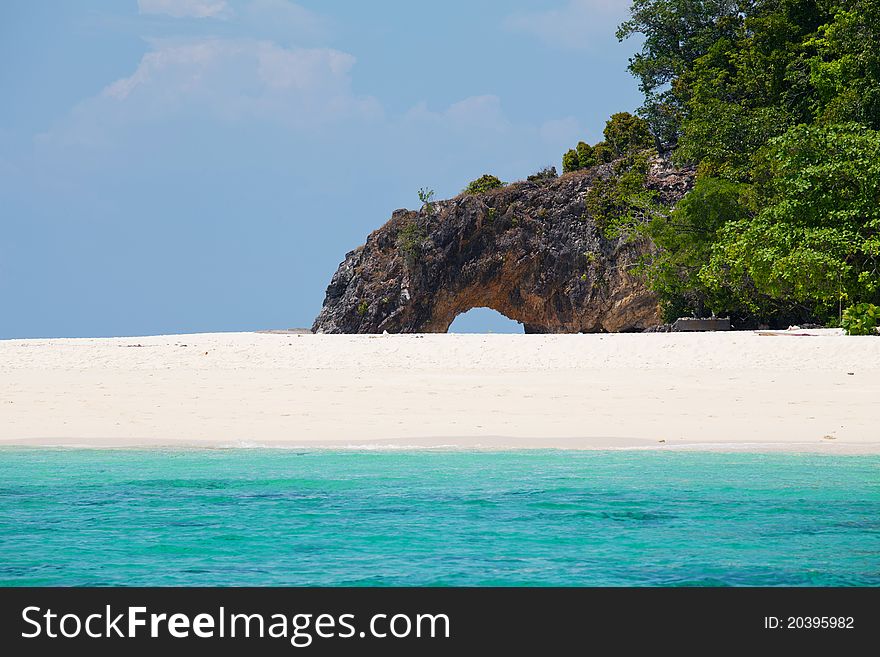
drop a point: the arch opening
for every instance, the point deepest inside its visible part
(484, 320)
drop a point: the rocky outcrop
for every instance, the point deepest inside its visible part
(530, 250)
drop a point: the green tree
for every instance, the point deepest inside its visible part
(684, 239)
(543, 175)
(483, 184)
(570, 161)
(815, 239)
(625, 133)
(845, 70)
(603, 153)
(675, 34)
(586, 157)
(778, 103)
(749, 86)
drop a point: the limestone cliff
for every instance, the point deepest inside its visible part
(530, 250)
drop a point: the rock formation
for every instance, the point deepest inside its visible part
(530, 250)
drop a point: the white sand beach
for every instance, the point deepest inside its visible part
(817, 391)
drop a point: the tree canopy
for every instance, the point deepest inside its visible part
(777, 102)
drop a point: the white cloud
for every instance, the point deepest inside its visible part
(577, 25)
(480, 112)
(282, 20)
(227, 80)
(185, 8)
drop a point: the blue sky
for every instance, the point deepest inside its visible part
(173, 166)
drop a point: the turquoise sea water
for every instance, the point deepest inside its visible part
(280, 517)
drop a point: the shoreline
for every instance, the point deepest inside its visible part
(801, 391)
(498, 444)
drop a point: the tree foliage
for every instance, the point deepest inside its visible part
(410, 239)
(603, 153)
(543, 175)
(483, 184)
(621, 202)
(585, 155)
(861, 319)
(685, 238)
(778, 103)
(676, 33)
(625, 133)
(570, 161)
(815, 238)
(426, 196)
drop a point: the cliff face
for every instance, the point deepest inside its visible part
(530, 251)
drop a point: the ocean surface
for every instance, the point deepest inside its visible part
(287, 517)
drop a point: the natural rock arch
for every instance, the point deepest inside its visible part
(529, 251)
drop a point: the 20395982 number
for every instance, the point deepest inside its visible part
(820, 622)
(810, 622)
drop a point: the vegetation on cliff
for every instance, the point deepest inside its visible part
(483, 184)
(624, 134)
(777, 102)
(529, 250)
